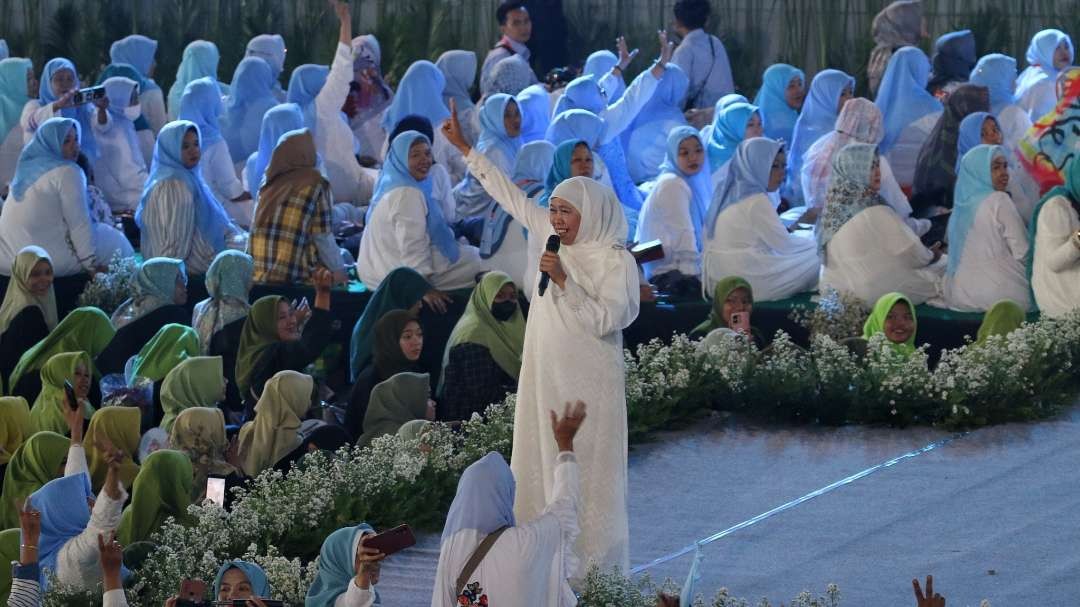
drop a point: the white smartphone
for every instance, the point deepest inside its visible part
(215, 490)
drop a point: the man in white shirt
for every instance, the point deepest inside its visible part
(516, 27)
(701, 55)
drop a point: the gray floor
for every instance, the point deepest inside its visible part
(991, 515)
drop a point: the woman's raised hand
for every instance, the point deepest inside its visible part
(451, 129)
(666, 49)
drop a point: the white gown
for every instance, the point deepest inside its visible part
(991, 265)
(665, 216)
(573, 351)
(749, 241)
(1055, 273)
(875, 253)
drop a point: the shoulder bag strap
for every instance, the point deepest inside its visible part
(474, 561)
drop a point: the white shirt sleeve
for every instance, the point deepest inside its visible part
(607, 310)
(114, 598)
(76, 214)
(33, 115)
(766, 224)
(666, 216)
(620, 114)
(76, 461)
(355, 596)
(220, 172)
(410, 233)
(77, 563)
(1011, 227)
(505, 192)
(329, 252)
(153, 109)
(894, 196)
(1054, 227)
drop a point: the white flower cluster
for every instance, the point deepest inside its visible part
(837, 315)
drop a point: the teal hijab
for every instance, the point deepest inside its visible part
(400, 290)
(13, 93)
(336, 566)
(560, 169)
(973, 185)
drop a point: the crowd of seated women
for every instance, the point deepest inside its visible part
(928, 193)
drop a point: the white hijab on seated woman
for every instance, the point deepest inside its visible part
(744, 235)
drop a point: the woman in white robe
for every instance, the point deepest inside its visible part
(47, 205)
(866, 249)
(744, 236)
(406, 226)
(420, 93)
(909, 111)
(529, 564)
(983, 128)
(1049, 52)
(120, 172)
(138, 52)
(573, 351)
(58, 84)
(373, 96)
(675, 209)
(201, 105)
(997, 73)
(1054, 265)
(500, 130)
(860, 121)
(16, 84)
(988, 243)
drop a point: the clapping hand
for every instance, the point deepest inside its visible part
(626, 56)
(111, 557)
(451, 128)
(930, 599)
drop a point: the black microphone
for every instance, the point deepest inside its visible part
(552, 247)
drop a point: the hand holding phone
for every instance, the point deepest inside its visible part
(392, 540)
(215, 490)
(69, 396)
(192, 593)
(740, 322)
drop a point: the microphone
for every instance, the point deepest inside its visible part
(553, 243)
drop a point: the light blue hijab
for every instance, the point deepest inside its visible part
(81, 113)
(973, 185)
(644, 141)
(138, 52)
(599, 64)
(728, 131)
(817, 119)
(700, 183)
(201, 104)
(778, 117)
(997, 73)
(13, 93)
(64, 515)
(485, 498)
(420, 92)
(304, 85)
(249, 100)
(200, 60)
(43, 154)
(531, 169)
(1040, 58)
(583, 93)
(260, 586)
(395, 174)
(459, 71)
(493, 129)
(902, 96)
(337, 560)
(970, 134)
(748, 175)
(210, 219)
(271, 49)
(277, 121)
(576, 125)
(119, 89)
(535, 105)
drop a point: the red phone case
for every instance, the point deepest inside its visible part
(392, 540)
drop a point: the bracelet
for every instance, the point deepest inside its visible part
(27, 547)
(618, 67)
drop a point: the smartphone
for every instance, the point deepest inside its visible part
(740, 321)
(215, 490)
(87, 95)
(69, 390)
(192, 592)
(392, 540)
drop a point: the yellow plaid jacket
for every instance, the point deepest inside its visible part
(284, 250)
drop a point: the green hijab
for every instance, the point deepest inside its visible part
(395, 402)
(9, 552)
(504, 340)
(1003, 318)
(35, 463)
(258, 336)
(389, 359)
(876, 323)
(721, 292)
(15, 427)
(273, 434)
(198, 381)
(1071, 191)
(120, 427)
(83, 330)
(162, 490)
(170, 346)
(400, 290)
(18, 296)
(47, 413)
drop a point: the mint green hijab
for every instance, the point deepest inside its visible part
(876, 323)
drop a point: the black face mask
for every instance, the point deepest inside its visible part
(503, 310)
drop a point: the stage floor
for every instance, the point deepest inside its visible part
(991, 514)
